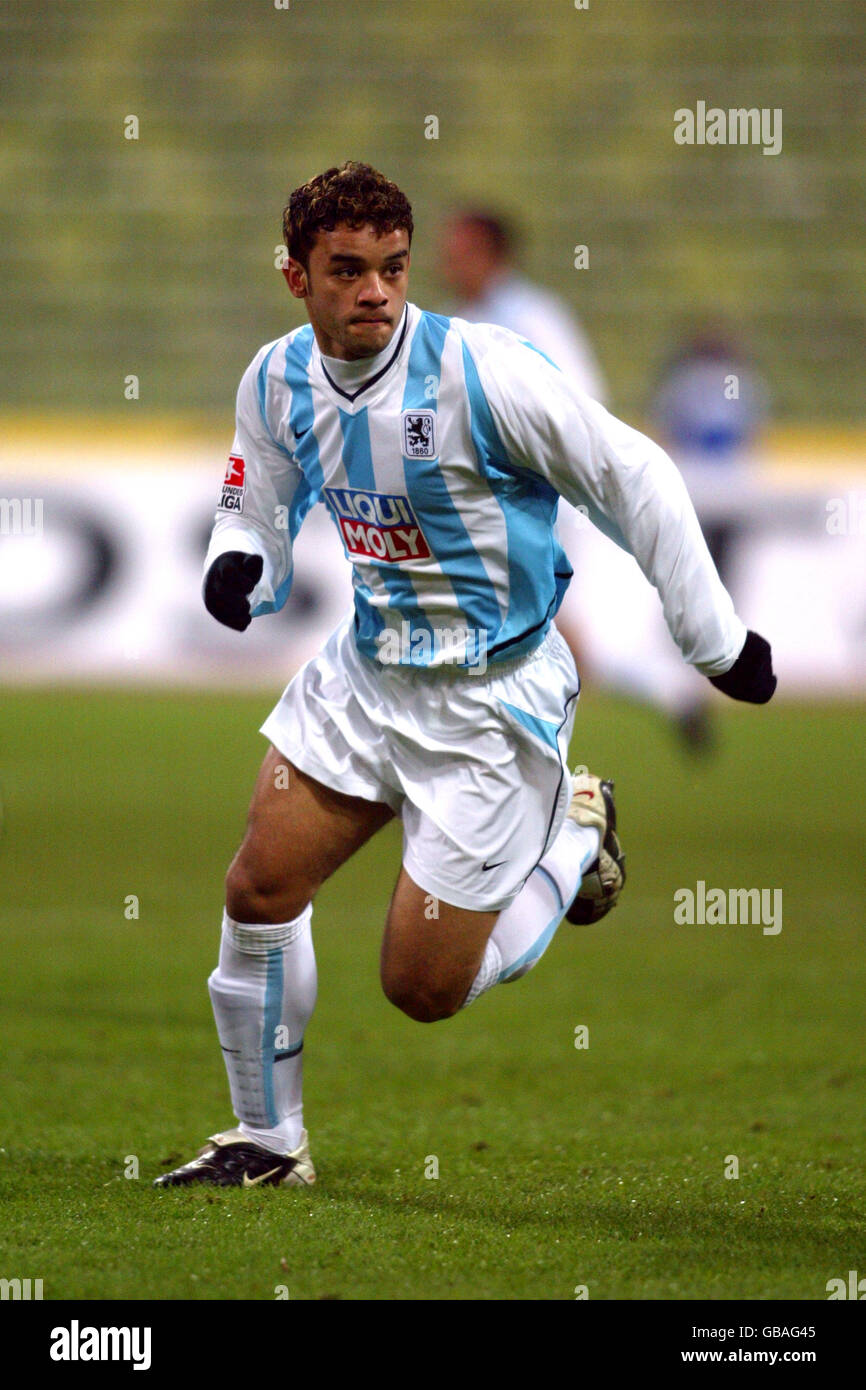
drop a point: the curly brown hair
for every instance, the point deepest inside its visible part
(354, 194)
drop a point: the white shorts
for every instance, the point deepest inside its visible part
(475, 765)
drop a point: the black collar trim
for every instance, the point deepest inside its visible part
(353, 395)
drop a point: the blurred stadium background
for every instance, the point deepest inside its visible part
(154, 258)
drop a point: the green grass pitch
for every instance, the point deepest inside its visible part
(559, 1166)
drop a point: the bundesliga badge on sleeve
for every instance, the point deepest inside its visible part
(232, 496)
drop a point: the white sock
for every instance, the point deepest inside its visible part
(263, 994)
(526, 928)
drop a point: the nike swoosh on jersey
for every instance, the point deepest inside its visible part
(486, 867)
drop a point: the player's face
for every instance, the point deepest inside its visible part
(355, 289)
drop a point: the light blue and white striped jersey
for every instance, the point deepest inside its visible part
(442, 471)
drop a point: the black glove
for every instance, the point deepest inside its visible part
(229, 582)
(751, 676)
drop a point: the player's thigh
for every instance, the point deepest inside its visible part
(298, 833)
(431, 951)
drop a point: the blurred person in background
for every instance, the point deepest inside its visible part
(477, 261)
(708, 407)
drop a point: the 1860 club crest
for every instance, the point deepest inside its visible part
(419, 440)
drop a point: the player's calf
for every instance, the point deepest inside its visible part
(421, 1000)
(428, 963)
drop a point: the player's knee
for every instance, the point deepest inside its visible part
(257, 897)
(420, 1000)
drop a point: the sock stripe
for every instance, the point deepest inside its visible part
(271, 1022)
(537, 949)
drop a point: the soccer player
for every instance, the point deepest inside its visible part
(446, 697)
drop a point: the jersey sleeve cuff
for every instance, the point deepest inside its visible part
(235, 538)
(724, 663)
